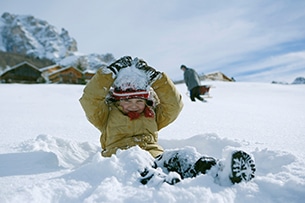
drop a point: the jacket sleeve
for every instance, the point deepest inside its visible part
(170, 101)
(93, 99)
(187, 78)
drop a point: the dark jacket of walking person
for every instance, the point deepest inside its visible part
(192, 81)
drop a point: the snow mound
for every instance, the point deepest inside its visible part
(68, 171)
(69, 154)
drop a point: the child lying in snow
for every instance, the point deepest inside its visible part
(129, 102)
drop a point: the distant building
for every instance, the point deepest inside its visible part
(46, 71)
(88, 75)
(22, 73)
(217, 76)
(28, 73)
(68, 75)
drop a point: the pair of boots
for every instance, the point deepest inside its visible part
(241, 168)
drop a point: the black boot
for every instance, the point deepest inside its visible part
(242, 166)
(157, 176)
(204, 164)
(146, 176)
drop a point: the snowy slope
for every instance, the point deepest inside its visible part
(50, 153)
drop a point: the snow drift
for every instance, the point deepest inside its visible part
(50, 153)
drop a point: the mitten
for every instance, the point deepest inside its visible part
(123, 62)
(151, 73)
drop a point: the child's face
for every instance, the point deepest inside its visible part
(132, 105)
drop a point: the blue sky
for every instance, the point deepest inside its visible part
(261, 40)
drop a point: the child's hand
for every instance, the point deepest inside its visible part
(152, 73)
(149, 71)
(140, 63)
(123, 62)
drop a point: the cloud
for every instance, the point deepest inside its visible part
(285, 67)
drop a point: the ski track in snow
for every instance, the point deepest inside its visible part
(49, 152)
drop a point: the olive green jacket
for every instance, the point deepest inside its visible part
(117, 130)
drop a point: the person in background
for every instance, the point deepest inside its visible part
(130, 102)
(192, 81)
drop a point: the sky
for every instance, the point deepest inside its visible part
(261, 41)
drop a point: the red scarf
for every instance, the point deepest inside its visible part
(148, 112)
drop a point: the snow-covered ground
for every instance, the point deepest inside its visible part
(49, 152)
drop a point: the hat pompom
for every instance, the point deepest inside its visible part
(131, 82)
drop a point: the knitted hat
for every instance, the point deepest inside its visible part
(131, 83)
(129, 93)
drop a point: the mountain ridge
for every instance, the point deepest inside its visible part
(31, 37)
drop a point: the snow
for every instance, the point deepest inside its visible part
(131, 77)
(49, 152)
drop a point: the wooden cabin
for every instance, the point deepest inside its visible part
(217, 76)
(68, 75)
(22, 73)
(46, 71)
(88, 75)
(50, 69)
